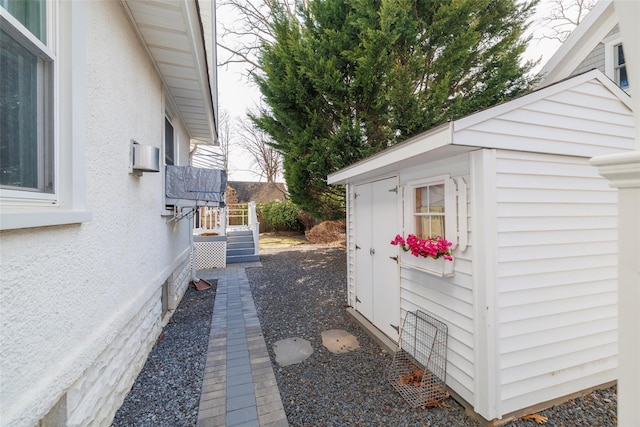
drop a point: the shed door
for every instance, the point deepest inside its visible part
(377, 290)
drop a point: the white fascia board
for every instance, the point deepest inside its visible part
(545, 92)
(417, 145)
(201, 66)
(597, 24)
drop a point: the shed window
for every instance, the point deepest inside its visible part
(431, 208)
(429, 211)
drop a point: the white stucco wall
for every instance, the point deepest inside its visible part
(71, 295)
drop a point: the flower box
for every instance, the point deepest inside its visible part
(438, 267)
(430, 255)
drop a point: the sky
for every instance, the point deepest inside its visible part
(236, 94)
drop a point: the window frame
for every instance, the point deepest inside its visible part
(168, 209)
(431, 215)
(174, 151)
(610, 59)
(617, 67)
(66, 36)
(47, 170)
(450, 213)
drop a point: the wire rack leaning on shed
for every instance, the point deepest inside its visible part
(419, 368)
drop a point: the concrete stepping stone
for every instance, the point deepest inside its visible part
(339, 341)
(292, 350)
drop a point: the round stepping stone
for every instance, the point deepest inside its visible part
(339, 341)
(292, 350)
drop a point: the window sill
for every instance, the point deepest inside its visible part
(30, 219)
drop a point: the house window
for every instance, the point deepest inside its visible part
(42, 113)
(26, 101)
(169, 143)
(429, 211)
(620, 67)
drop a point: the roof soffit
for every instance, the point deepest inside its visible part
(171, 33)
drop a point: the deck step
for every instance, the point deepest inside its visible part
(240, 247)
(242, 258)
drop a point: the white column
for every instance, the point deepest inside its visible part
(623, 172)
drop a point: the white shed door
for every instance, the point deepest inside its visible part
(377, 290)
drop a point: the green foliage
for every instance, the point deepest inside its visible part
(344, 79)
(281, 215)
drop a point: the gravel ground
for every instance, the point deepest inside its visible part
(167, 390)
(300, 292)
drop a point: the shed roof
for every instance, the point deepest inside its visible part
(173, 34)
(585, 116)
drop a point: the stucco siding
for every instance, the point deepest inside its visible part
(556, 277)
(448, 299)
(73, 296)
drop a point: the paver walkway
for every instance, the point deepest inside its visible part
(239, 387)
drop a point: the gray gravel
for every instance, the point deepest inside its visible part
(167, 390)
(300, 292)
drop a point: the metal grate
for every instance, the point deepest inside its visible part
(211, 255)
(419, 368)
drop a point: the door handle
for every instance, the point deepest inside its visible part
(372, 251)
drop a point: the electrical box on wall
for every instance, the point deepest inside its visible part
(144, 158)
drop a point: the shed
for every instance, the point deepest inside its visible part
(530, 298)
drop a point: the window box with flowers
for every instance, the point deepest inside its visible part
(435, 254)
(432, 206)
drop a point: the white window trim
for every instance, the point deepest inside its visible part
(450, 206)
(66, 37)
(169, 114)
(47, 53)
(609, 58)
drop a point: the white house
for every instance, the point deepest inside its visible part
(530, 301)
(93, 259)
(595, 43)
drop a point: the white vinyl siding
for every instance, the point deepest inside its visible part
(588, 119)
(556, 277)
(448, 299)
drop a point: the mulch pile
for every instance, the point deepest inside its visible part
(328, 232)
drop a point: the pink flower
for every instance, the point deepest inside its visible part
(432, 248)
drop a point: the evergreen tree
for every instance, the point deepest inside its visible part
(343, 79)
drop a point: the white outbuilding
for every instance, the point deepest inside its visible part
(530, 297)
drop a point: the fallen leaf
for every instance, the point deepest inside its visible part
(540, 419)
